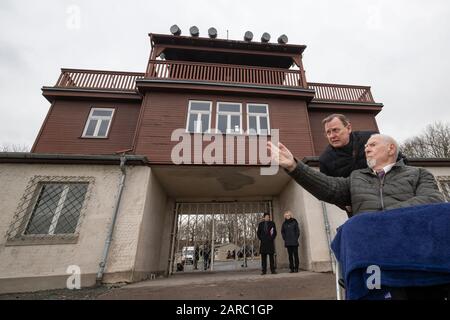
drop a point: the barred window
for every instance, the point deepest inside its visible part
(57, 209)
(444, 185)
(51, 210)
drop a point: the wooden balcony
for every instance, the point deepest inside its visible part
(341, 93)
(98, 80)
(223, 73)
(219, 73)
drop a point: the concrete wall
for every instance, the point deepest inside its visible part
(314, 249)
(166, 237)
(291, 199)
(439, 172)
(278, 218)
(121, 262)
(443, 177)
(151, 234)
(39, 266)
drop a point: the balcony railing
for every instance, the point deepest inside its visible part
(103, 80)
(222, 73)
(341, 93)
(126, 81)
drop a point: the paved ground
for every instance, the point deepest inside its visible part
(209, 286)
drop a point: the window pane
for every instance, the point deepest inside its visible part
(102, 113)
(70, 213)
(235, 123)
(44, 210)
(263, 125)
(229, 107)
(191, 124)
(91, 128)
(257, 109)
(200, 106)
(252, 124)
(198, 125)
(103, 128)
(205, 122)
(222, 123)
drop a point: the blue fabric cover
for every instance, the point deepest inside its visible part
(411, 246)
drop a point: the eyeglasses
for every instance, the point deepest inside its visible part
(335, 131)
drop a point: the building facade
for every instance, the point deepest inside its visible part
(137, 175)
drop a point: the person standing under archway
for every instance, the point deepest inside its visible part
(290, 233)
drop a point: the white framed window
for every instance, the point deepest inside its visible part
(98, 123)
(57, 209)
(199, 116)
(258, 119)
(229, 117)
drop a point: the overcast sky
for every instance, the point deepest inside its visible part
(399, 48)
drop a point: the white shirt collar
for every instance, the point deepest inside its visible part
(387, 168)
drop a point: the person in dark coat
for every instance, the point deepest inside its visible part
(267, 233)
(196, 256)
(290, 232)
(206, 253)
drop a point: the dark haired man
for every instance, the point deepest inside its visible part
(267, 233)
(345, 151)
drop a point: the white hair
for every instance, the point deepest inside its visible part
(388, 140)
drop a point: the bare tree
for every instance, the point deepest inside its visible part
(8, 147)
(434, 142)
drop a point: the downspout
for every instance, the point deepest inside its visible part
(334, 266)
(102, 264)
(328, 233)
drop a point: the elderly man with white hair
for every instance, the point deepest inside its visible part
(385, 184)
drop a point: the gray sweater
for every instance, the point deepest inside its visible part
(402, 186)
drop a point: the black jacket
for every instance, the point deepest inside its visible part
(266, 237)
(340, 162)
(290, 232)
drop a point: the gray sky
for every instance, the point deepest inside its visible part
(399, 48)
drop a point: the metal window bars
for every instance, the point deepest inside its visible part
(444, 186)
(51, 207)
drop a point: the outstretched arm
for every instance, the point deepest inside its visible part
(329, 189)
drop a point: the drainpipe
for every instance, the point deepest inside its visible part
(102, 264)
(334, 265)
(328, 233)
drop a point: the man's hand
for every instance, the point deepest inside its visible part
(282, 156)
